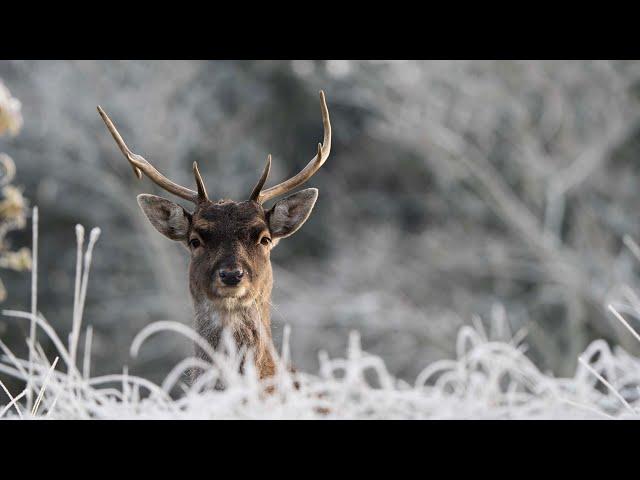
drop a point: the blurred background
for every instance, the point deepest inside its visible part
(454, 189)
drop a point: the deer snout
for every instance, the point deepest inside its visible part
(231, 276)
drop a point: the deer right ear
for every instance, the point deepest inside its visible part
(288, 214)
(169, 218)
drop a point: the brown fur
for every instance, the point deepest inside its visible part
(230, 235)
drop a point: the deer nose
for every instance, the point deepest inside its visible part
(231, 276)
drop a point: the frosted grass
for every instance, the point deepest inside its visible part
(488, 379)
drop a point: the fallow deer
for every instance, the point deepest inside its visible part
(230, 275)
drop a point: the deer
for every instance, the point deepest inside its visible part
(230, 273)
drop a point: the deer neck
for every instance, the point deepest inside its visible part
(249, 324)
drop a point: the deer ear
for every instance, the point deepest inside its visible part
(169, 218)
(288, 214)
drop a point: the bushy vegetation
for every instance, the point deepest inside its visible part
(13, 206)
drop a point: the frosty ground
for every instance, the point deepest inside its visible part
(490, 378)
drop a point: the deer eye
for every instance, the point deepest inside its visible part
(265, 240)
(194, 243)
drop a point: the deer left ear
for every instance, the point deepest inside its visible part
(290, 213)
(169, 218)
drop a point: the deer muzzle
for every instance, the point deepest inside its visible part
(231, 277)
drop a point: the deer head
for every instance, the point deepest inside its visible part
(230, 276)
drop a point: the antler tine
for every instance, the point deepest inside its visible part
(312, 167)
(140, 165)
(202, 190)
(255, 194)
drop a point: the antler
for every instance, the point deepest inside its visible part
(140, 166)
(306, 173)
(255, 194)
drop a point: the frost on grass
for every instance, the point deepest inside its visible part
(488, 379)
(12, 204)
